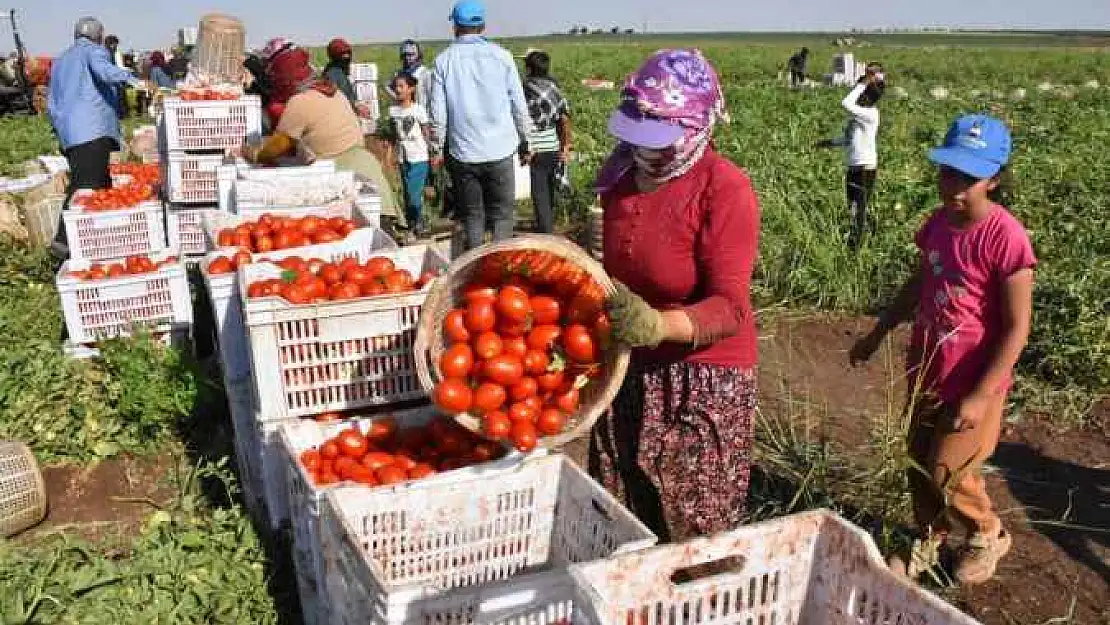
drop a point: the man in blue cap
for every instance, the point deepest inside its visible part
(478, 111)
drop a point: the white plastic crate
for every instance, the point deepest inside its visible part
(215, 222)
(107, 235)
(191, 178)
(210, 125)
(226, 176)
(294, 192)
(100, 309)
(240, 400)
(370, 206)
(338, 355)
(365, 91)
(361, 72)
(432, 551)
(304, 497)
(185, 230)
(227, 308)
(813, 568)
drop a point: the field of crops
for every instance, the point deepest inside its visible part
(196, 558)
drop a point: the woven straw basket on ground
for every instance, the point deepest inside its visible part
(22, 491)
(446, 294)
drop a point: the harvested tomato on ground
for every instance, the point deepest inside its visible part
(383, 454)
(316, 280)
(275, 232)
(131, 266)
(528, 334)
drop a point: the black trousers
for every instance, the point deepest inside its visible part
(797, 77)
(88, 169)
(484, 198)
(859, 183)
(543, 168)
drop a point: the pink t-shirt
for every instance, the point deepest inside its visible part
(959, 318)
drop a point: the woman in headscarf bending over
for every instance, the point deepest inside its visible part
(313, 111)
(681, 227)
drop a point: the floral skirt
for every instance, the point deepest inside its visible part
(676, 446)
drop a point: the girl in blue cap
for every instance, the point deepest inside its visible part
(973, 302)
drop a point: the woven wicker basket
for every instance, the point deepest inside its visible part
(446, 293)
(22, 491)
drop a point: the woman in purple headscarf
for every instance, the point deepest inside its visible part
(681, 227)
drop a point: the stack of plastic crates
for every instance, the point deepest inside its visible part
(194, 139)
(364, 80)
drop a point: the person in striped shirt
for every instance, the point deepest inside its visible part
(550, 139)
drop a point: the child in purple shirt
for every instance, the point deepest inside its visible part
(973, 302)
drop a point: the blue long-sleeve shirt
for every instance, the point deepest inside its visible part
(161, 79)
(477, 102)
(84, 94)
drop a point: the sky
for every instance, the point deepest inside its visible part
(47, 25)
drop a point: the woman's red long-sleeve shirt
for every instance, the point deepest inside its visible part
(691, 244)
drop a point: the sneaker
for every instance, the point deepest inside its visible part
(922, 557)
(980, 557)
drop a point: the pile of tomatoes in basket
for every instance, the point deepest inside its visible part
(529, 334)
(131, 266)
(115, 198)
(141, 173)
(384, 455)
(272, 232)
(201, 95)
(315, 280)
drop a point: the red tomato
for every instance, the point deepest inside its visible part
(488, 345)
(358, 274)
(545, 310)
(331, 273)
(536, 362)
(496, 425)
(534, 402)
(602, 327)
(489, 397)
(454, 327)
(523, 436)
(543, 337)
(480, 317)
(550, 381)
(330, 450)
(517, 347)
(376, 460)
(310, 459)
(421, 471)
(525, 388)
(381, 430)
(512, 329)
(380, 267)
(344, 290)
(352, 443)
(391, 475)
(551, 422)
(566, 400)
(521, 411)
(457, 361)
(578, 344)
(504, 369)
(478, 292)
(453, 395)
(513, 304)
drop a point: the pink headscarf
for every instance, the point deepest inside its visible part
(676, 87)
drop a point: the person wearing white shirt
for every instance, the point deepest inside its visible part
(411, 128)
(861, 154)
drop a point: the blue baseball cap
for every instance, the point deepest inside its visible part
(468, 13)
(977, 145)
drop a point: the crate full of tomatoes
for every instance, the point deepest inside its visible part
(193, 120)
(375, 452)
(140, 173)
(270, 232)
(447, 551)
(218, 271)
(520, 344)
(114, 223)
(335, 333)
(107, 300)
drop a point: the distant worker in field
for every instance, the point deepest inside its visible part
(861, 152)
(550, 141)
(798, 66)
(412, 64)
(971, 301)
(338, 69)
(160, 71)
(478, 112)
(83, 106)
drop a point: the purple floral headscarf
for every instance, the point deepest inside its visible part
(679, 87)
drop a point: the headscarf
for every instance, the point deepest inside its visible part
(290, 73)
(273, 46)
(339, 49)
(677, 87)
(157, 59)
(409, 46)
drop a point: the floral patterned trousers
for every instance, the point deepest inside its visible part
(676, 446)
